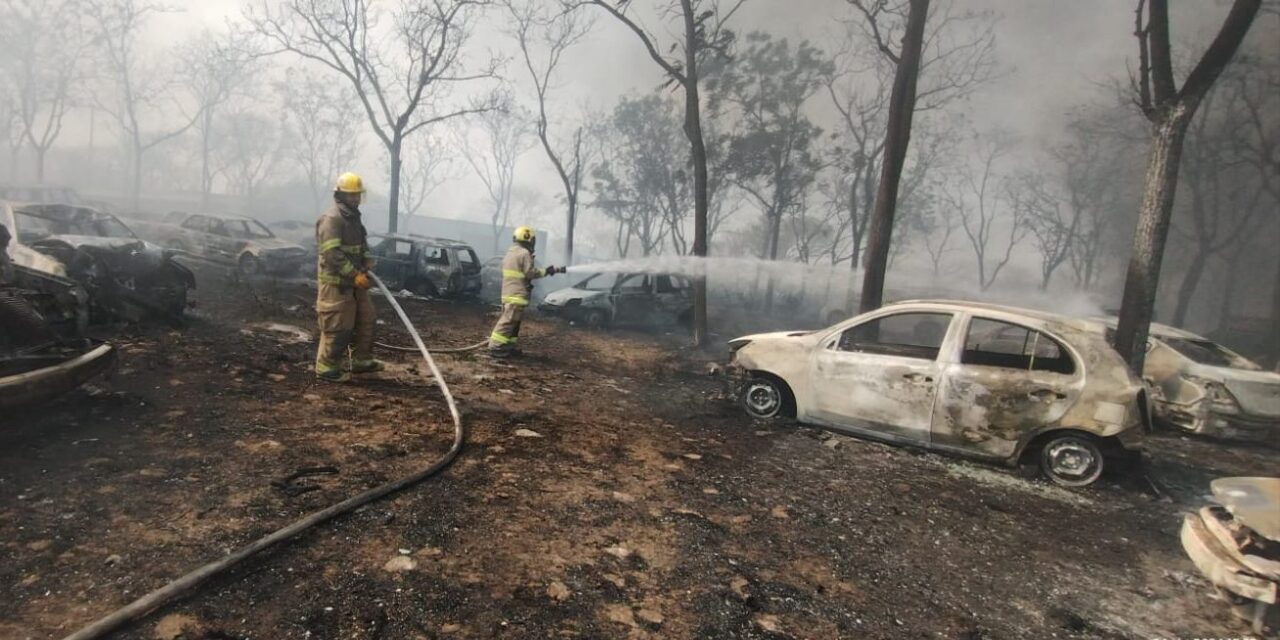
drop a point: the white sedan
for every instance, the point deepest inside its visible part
(971, 378)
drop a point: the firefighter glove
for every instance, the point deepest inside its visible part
(361, 280)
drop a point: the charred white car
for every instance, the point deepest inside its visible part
(975, 379)
(1202, 387)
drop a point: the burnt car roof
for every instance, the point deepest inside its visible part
(413, 237)
(970, 305)
(63, 211)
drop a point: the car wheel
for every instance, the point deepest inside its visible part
(1071, 460)
(764, 398)
(594, 319)
(250, 265)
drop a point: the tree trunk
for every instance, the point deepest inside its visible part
(40, 153)
(135, 195)
(1189, 284)
(693, 130)
(775, 229)
(393, 197)
(902, 104)
(1229, 291)
(1143, 277)
(206, 180)
(1275, 321)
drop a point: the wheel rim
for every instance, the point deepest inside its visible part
(762, 399)
(1072, 461)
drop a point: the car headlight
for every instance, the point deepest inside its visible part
(1220, 399)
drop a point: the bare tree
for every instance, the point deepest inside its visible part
(641, 180)
(45, 48)
(957, 57)
(11, 130)
(1170, 110)
(981, 197)
(247, 147)
(703, 34)
(544, 36)
(505, 136)
(937, 241)
(322, 116)
(428, 165)
(1260, 92)
(401, 72)
(763, 92)
(215, 67)
(145, 91)
(1226, 194)
(1054, 225)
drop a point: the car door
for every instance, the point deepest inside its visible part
(219, 240)
(193, 236)
(879, 376)
(632, 299)
(672, 301)
(395, 260)
(1010, 379)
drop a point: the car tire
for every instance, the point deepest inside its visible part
(595, 319)
(1072, 460)
(765, 398)
(250, 265)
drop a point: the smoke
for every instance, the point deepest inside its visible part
(805, 288)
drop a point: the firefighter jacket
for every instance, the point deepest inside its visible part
(342, 246)
(518, 274)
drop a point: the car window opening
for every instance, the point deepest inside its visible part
(908, 335)
(993, 343)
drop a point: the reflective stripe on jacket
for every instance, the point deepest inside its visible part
(518, 274)
(342, 245)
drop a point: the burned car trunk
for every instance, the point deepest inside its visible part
(124, 277)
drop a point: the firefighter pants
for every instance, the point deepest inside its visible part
(507, 331)
(345, 316)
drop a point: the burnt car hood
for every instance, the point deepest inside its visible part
(562, 297)
(1257, 392)
(274, 244)
(773, 335)
(101, 242)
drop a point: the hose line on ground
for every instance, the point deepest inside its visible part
(168, 592)
(414, 349)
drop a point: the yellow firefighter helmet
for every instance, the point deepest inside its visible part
(349, 183)
(523, 234)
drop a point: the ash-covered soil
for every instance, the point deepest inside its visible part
(608, 489)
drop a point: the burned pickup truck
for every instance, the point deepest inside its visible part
(427, 266)
(123, 277)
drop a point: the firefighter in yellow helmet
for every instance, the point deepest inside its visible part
(343, 308)
(518, 274)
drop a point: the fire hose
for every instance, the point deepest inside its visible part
(159, 597)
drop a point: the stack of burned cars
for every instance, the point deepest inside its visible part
(980, 380)
(121, 276)
(238, 241)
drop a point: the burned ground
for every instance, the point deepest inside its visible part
(608, 489)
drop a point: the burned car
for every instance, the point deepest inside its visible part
(234, 240)
(621, 299)
(1236, 546)
(123, 276)
(435, 267)
(1202, 387)
(980, 380)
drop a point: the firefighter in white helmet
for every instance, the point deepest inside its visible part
(518, 274)
(343, 308)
